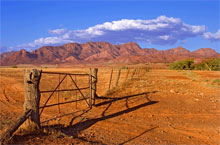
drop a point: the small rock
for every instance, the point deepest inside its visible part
(172, 91)
(163, 131)
(151, 116)
(83, 134)
(201, 94)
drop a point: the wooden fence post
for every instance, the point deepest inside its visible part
(94, 84)
(132, 75)
(32, 97)
(8, 134)
(127, 74)
(109, 86)
(90, 87)
(138, 72)
(118, 77)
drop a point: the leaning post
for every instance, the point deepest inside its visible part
(32, 97)
(109, 86)
(94, 84)
(118, 77)
(133, 74)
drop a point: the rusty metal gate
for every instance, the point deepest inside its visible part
(84, 91)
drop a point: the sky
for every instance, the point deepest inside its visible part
(152, 24)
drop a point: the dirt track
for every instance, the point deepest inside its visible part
(158, 107)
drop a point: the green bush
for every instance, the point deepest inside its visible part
(183, 65)
(124, 67)
(14, 66)
(209, 64)
(216, 81)
(212, 64)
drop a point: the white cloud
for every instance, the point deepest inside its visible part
(165, 37)
(57, 31)
(161, 31)
(43, 41)
(212, 36)
(48, 40)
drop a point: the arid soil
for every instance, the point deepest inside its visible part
(156, 107)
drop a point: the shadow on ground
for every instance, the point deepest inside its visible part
(74, 129)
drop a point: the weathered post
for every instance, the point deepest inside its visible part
(109, 86)
(127, 74)
(94, 84)
(132, 75)
(32, 97)
(90, 88)
(119, 72)
(138, 72)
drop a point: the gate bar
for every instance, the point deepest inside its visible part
(61, 103)
(48, 72)
(64, 90)
(78, 89)
(53, 93)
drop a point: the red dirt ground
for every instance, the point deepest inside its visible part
(156, 107)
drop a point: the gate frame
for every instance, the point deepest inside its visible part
(32, 93)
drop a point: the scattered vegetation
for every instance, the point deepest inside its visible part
(14, 66)
(124, 67)
(216, 81)
(182, 65)
(5, 123)
(191, 75)
(208, 64)
(147, 70)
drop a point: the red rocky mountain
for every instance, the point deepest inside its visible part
(99, 52)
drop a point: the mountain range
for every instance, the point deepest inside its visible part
(99, 52)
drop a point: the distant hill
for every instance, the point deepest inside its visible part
(99, 52)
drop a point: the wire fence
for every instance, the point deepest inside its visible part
(66, 98)
(109, 79)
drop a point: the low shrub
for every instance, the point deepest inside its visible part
(209, 64)
(14, 66)
(212, 64)
(124, 67)
(182, 65)
(216, 81)
(147, 70)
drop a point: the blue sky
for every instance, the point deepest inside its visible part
(152, 24)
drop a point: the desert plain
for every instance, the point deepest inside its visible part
(156, 106)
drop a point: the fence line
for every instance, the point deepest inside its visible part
(32, 92)
(129, 75)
